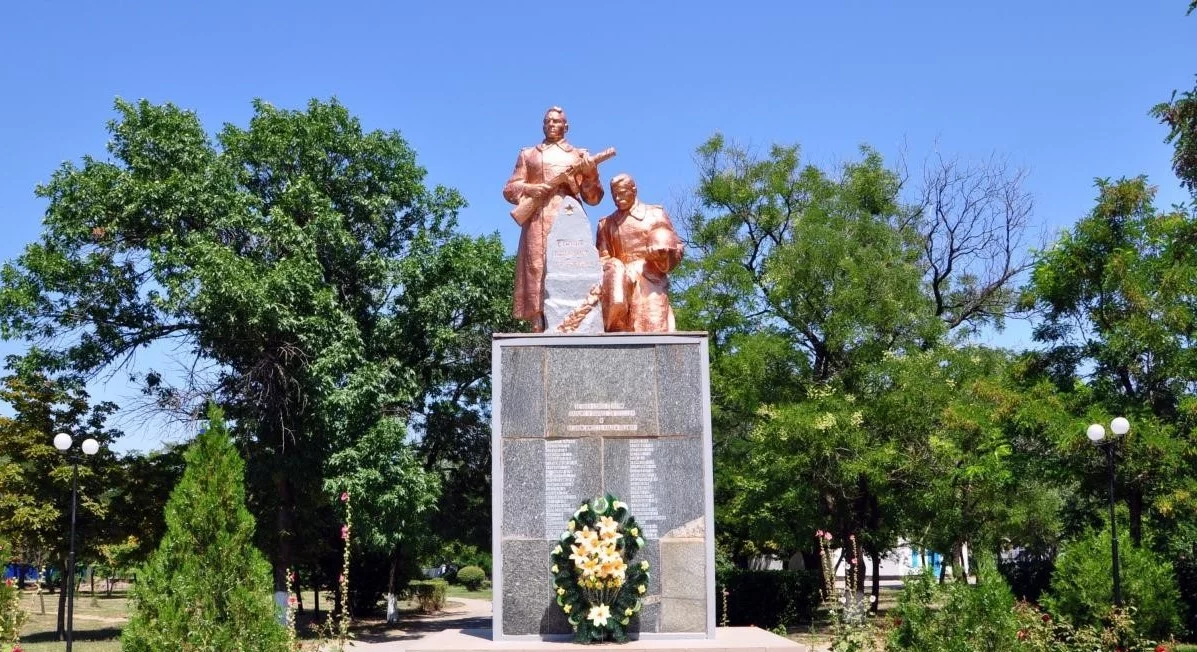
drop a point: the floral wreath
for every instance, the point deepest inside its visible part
(597, 585)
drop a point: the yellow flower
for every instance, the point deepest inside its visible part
(557, 550)
(560, 591)
(635, 531)
(555, 571)
(627, 612)
(608, 527)
(599, 615)
(567, 607)
(572, 526)
(641, 589)
(644, 565)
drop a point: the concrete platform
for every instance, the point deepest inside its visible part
(727, 639)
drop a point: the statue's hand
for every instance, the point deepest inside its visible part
(586, 167)
(537, 190)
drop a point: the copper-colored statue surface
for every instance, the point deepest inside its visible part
(544, 175)
(638, 248)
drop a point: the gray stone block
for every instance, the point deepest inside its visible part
(601, 378)
(678, 615)
(683, 569)
(571, 476)
(679, 388)
(523, 488)
(529, 604)
(522, 392)
(660, 479)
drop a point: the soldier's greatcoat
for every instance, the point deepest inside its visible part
(534, 165)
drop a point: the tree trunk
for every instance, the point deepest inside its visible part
(285, 531)
(1134, 500)
(392, 596)
(958, 573)
(60, 632)
(298, 594)
(876, 557)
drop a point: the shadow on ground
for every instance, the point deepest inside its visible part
(106, 634)
(416, 626)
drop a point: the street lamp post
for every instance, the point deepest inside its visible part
(63, 442)
(1097, 434)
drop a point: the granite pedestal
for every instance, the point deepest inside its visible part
(578, 416)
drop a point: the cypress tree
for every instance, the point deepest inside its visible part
(206, 587)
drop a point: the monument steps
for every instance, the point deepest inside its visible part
(727, 639)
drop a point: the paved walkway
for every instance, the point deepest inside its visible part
(460, 613)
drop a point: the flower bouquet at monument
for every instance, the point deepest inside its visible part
(598, 584)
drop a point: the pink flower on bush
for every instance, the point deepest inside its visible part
(344, 532)
(344, 496)
(818, 534)
(292, 600)
(8, 582)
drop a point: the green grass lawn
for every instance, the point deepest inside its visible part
(459, 591)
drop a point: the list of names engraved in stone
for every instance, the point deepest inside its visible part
(560, 485)
(594, 418)
(645, 485)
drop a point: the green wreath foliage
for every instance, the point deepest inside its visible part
(601, 603)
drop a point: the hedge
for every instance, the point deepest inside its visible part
(767, 598)
(430, 594)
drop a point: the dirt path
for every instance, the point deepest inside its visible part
(460, 613)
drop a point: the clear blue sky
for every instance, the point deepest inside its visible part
(1062, 88)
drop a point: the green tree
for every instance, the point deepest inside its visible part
(384, 508)
(803, 280)
(978, 442)
(274, 255)
(35, 478)
(820, 289)
(1118, 309)
(206, 587)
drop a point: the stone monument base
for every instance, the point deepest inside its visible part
(727, 639)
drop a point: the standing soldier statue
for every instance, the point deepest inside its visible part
(548, 179)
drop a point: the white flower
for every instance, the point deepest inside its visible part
(599, 615)
(825, 421)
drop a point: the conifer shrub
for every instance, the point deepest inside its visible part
(206, 588)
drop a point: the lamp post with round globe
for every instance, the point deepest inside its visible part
(63, 442)
(1097, 434)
